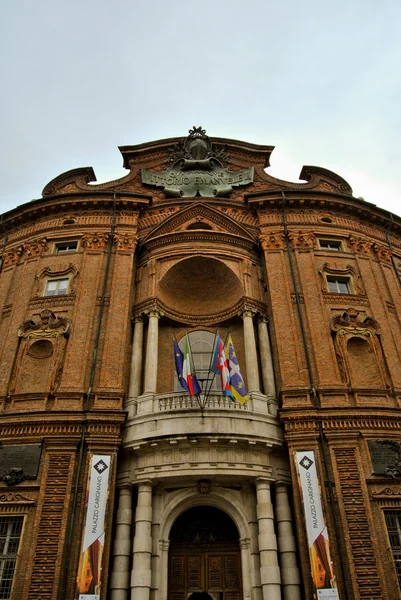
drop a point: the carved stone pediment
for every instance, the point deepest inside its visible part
(352, 322)
(47, 325)
(208, 218)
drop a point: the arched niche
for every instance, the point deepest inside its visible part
(200, 285)
(358, 349)
(364, 367)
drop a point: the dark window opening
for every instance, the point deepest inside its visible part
(10, 534)
(393, 522)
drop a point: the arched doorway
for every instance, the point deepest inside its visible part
(204, 556)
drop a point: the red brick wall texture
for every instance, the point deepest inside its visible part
(336, 354)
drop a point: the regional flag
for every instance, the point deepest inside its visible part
(237, 385)
(220, 367)
(188, 378)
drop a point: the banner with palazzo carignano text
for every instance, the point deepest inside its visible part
(89, 579)
(318, 539)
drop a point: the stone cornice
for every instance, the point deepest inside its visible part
(135, 154)
(71, 202)
(300, 198)
(107, 424)
(340, 419)
(155, 304)
(212, 238)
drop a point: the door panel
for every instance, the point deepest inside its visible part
(215, 572)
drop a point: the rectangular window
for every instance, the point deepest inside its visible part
(56, 287)
(393, 522)
(338, 285)
(330, 245)
(66, 247)
(10, 534)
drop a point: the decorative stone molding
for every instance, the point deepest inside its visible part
(348, 270)
(350, 325)
(245, 543)
(248, 311)
(27, 250)
(155, 304)
(15, 498)
(15, 476)
(302, 241)
(224, 229)
(386, 492)
(12, 256)
(48, 325)
(383, 254)
(126, 242)
(43, 339)
(97, 241)
(204, 486)
(48, 272)
(272, 241)
(36, 247)
(360, 244)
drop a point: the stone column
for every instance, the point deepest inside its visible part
(266, 358)
(269, 569)
(152, 353)
(246, 570)
(251, 357)
(142, 550)
(119, 580)
(286, 546)
(136, 365)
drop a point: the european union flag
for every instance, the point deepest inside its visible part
(179, 362)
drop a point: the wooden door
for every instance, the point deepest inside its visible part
(212, 570)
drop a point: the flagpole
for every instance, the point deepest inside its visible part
(210, 369)
(197, 396)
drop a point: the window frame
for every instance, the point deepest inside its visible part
(339, 279)
(337, 244)
(54, 280)
(395, 549)
(67, 243)
(11, 557)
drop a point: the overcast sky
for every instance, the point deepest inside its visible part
(319, 80)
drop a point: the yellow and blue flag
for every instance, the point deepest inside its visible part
(237, 385)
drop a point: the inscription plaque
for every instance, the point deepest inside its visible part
(386, 457)
(197, 170)
(20, 457)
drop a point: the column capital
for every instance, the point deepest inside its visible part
(164, 545)
(263, 481)
(244, 543)
(124, 487)
(284, 484)
(138, 318)
(262, 318)
(248, 311)
(145, 482)
(155, 313)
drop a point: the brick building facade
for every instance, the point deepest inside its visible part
(205, 496)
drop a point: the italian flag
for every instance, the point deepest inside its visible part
(189, 377)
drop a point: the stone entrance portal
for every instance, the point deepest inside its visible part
(204, 556)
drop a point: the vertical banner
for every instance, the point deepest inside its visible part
(318, 539)
(89, 579)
